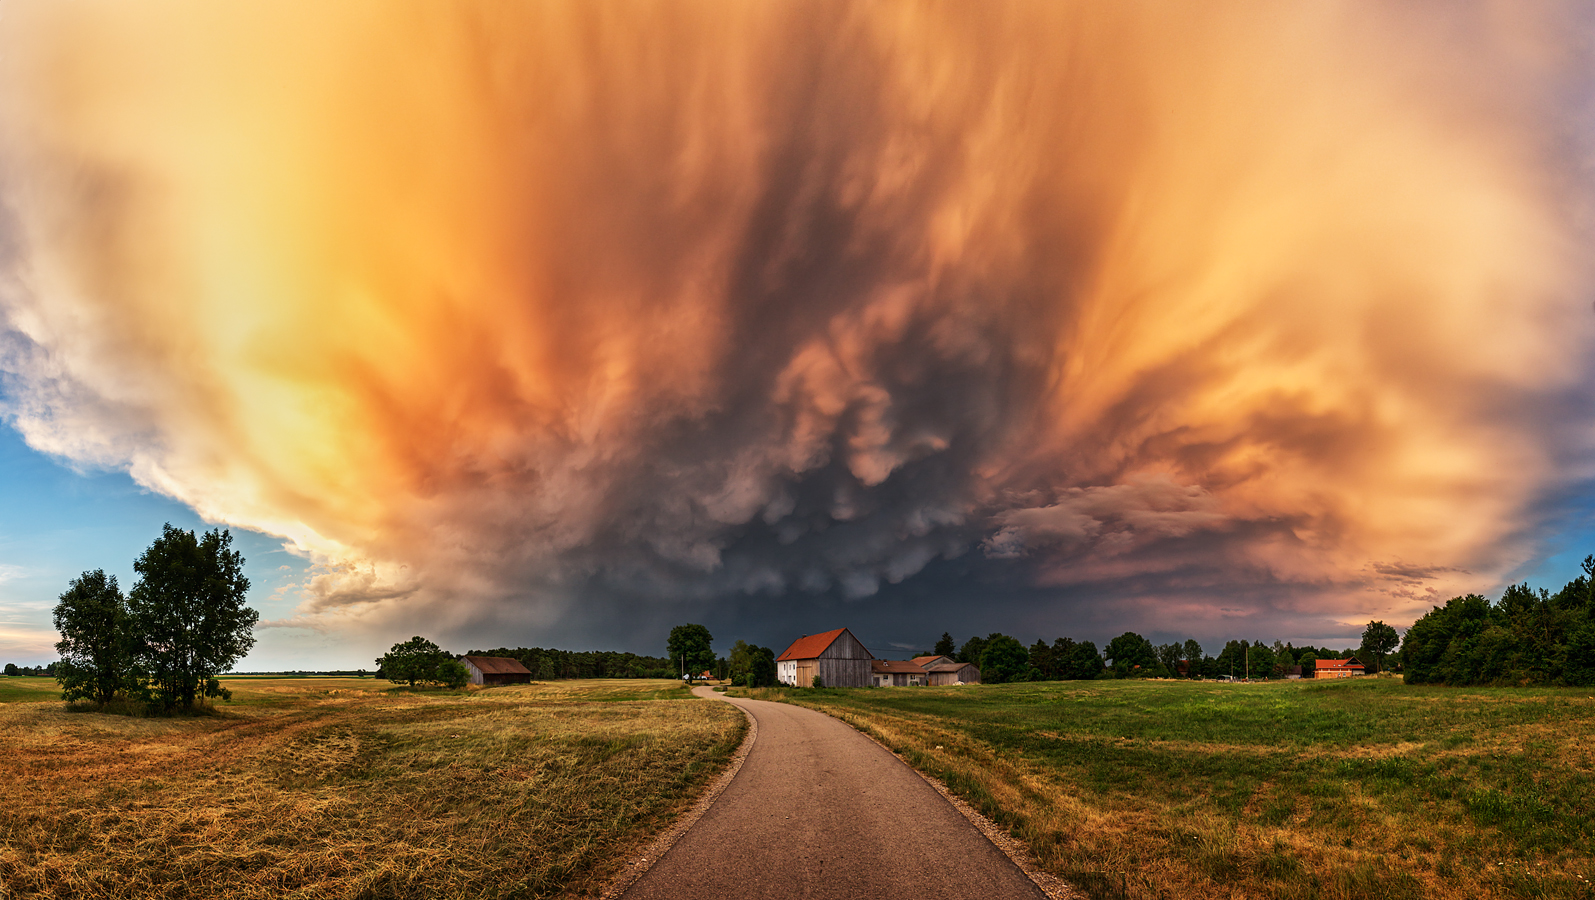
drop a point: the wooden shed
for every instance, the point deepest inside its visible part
(897, 673)
(838, 658)
(953, 673)
(925, 662)
(496, 670)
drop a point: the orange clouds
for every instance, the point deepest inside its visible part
(681, 299)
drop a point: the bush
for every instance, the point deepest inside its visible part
(819, 682)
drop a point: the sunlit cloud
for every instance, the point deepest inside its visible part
(550, 310)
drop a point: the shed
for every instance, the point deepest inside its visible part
(1337, 668)
(838, 658)
(496, 670)
(953, 673)
(897, 673)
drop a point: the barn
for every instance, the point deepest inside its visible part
(897, 673)
(1337, 668)
(943, 673)
(838, 658)
(496, 670)
(925, 662)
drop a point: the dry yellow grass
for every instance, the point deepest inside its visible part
(339, 788)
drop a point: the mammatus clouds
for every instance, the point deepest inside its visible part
(545, 313)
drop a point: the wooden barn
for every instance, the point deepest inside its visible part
(1337, 668)
(838, 658)
(925, 662)
(944, 673)
(496, 670)
(897, 673)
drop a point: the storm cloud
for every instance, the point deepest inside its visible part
(558, 314)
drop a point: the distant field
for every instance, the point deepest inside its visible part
(348, 787)
(1363, 788)
(23, 688)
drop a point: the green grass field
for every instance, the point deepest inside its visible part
(1363, 788)
(347, 787)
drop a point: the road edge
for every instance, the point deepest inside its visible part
(643, 859)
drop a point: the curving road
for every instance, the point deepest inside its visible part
(820, 811)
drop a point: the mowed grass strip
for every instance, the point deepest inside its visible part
(342, 788)
(1344, 790)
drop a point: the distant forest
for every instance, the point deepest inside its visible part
(550, 664)
(1526, 637)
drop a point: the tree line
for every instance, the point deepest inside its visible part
(163, 643)
(549, 664)
(1002, 658)
(1526, 637)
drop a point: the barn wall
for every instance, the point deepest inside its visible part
(476, 674)
(846, 647)
(839, 673)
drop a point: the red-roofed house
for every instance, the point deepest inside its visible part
(897, 673)
(838, 658)
(1337, 668)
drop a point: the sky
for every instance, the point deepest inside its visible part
(561, 324)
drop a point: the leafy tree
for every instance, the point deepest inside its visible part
(761, 668)
(95, 659)
(971, 651)
(1262, 662)
(1076, 660)
(11, 669)
(416, 661)
(1041, 661)
(1004, 659)
(1169, 656)
(451, 673)
(1379, 640)
(741, 661)
(1130, 652)
(187, 615)
(691, 645)
(944, 647)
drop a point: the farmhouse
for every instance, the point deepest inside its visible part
(952, 673)
(836, 657)
(897, 673)
(1337, 668)
(496, 670)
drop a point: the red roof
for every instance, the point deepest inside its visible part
(1337, 664)
(812, 646)
(498, 665)
(888, 666)
(923, 661)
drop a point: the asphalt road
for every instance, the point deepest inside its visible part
(820, 811)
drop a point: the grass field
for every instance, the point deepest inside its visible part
(1363, 788)
(346, 788)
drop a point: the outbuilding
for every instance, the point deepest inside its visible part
(897, 673)
(945, 673)
(836, 657)
(496, 670)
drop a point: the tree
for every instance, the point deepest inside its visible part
(761, 668)
(1169, 656)
(741, 661)
(92, 619)
(971, 651)
(1379, 639)
(944, 647)
(11, 669)
(187, 616)
(1041, 660)
(451, 673)
(691, 645)
(1004, 659)
(414, 661)
(1130, 652)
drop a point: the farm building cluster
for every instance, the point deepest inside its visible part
(838, 659)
